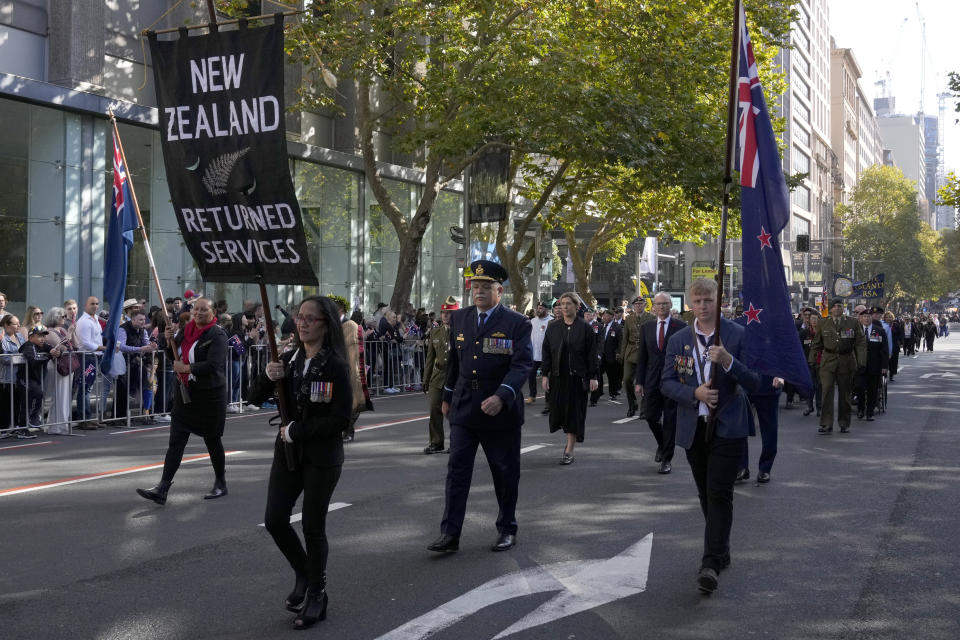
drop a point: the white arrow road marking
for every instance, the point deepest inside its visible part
(583, 585)
(625, 420)
(297, 517)
(943, 374)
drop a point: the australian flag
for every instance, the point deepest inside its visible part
(772, 344)
(123, 222)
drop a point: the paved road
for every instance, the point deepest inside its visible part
(853, 538)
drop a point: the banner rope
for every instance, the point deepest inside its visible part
(143, 48)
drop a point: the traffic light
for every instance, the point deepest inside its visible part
(803, 243)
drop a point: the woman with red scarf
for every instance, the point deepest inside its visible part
(201, 370)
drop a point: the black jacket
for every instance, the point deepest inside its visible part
(208, 365)
(610, 341)
(581, 344)
(318, 425)
(878, 352)
(650, 358)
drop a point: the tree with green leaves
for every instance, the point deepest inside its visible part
(883, 224)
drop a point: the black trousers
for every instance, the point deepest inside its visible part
(714, 466)
(661, 413)
(532, 379)
(868, 385)
(502, 448)
(317, 485)
(178, 442)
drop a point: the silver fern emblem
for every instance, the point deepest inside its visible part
(217, 173)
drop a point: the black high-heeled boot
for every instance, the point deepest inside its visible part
(314, 609)
(158, 493)
(219, 489)
(294, 601)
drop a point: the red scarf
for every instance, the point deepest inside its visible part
(191, 334)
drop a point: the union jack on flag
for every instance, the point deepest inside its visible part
(120, 228)
(747, 155)
(772, 346)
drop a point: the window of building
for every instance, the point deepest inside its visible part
(800, 109)
(801, 198)
(801, 63)
(800, 134)
(801, 161)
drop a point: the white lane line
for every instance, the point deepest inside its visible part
(120, 433)
(32, 444)
(625, 420)
(97, 476)
(534, 447)
(383, 425)
(297, 517)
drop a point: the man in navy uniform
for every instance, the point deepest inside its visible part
(489, 361)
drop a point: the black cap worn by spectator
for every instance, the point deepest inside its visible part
(488, 271)
(38, 330)
(876, 310)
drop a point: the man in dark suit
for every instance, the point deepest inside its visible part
(489, 361)
(712, 420)
(609, 336)
(867, 380)
(661, 411)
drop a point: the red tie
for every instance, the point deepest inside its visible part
(660, 337)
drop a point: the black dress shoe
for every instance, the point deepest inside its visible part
(631, 412)
(665, 468)
(566, 458)
(658, 457)
(859, 415)
(743, 474)
(825, 429)
(763, 477)
(546, 411)
(157, 494)
(844, 429)
(433, 448)
(314, 609)
(348, 438)
(707, 581)
(219, 490)
(504, 542)
(445, 544)
(593, 404)
(294, 601)
(807, 411)
(870, 418)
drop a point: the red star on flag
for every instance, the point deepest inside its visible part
(753, 315)
(764, 238)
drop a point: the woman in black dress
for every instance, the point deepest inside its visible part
(316, 384)
(203, 352)
(569, 365)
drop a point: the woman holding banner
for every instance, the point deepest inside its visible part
(315, 380)
(203, 354)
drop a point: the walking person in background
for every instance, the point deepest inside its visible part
(660, 410)
(929, 333)
(58, 387)
(438, 348)
(316, 382)
(896, 336)
(538, 328)
(203, 353)
(569, 372)
(630, 345)
(353, 343)
(815, 401)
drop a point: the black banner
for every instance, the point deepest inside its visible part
(489, 190)
(220, 97)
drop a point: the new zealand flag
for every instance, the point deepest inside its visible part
(772, 344)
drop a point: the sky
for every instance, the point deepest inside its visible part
(886, 35)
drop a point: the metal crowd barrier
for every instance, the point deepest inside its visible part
(87, 398)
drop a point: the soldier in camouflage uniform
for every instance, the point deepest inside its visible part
(843, 346)
(629, 346)
(435, 371)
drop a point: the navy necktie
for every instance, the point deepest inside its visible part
(483, 320)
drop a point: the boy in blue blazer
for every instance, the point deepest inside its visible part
(715, 446)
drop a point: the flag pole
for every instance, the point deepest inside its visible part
(290, 454)
(727, 186)
(146, 242)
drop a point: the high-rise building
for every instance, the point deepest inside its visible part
(905, 136)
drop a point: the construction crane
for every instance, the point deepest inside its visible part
(923, 55)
